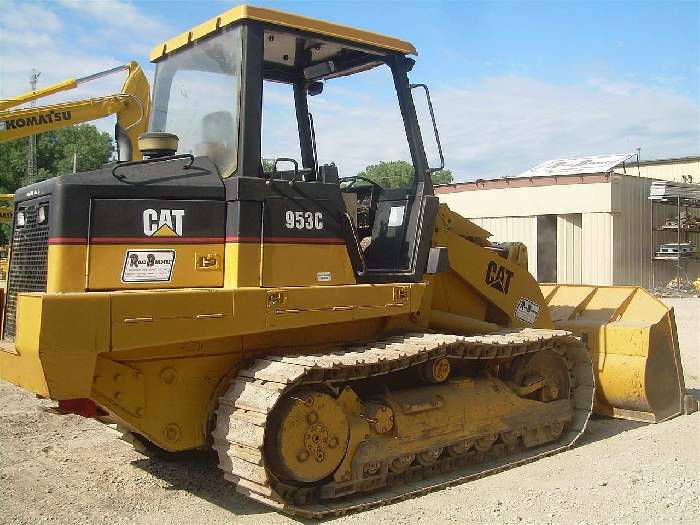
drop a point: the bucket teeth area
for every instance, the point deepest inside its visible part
(373, 473)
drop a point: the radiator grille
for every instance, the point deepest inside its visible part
(28, 263)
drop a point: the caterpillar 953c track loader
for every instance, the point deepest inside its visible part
(338, 343)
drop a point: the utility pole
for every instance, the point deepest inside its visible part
(31, 146)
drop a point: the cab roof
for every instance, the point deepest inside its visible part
(282, 20)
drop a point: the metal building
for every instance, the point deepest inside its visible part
(582, 221)
(681, 169)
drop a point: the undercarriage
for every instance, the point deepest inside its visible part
(399, 417)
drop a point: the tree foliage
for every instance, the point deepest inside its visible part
(54, 154)
(399, 174)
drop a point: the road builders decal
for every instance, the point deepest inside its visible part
(148, 266)
(527, 311)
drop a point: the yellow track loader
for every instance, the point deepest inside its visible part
(340, 344)
(131, 105)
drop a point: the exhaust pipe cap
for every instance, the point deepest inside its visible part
(154, 145)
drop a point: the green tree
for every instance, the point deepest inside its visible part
(399, 174)
(54, 154)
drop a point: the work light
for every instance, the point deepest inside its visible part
(42, 214)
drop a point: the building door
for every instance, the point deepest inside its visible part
(547, 248)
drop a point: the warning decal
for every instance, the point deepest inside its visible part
(527, 311)
(148, 266)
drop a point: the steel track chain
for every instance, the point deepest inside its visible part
(239, 435)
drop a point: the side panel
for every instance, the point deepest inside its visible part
(67, 268)
(280, 233)
(183, 265)
(155, 359)
(306, 265)
(303, 243)
(49, 359)
(150, 243)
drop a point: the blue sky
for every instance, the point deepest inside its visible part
(514, 83)
(558, 41)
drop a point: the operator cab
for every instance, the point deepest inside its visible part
(222, 87)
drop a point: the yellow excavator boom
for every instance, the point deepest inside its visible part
(32, 121)
(132, 107)
(65, 85)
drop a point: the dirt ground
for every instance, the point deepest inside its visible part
(66, 469)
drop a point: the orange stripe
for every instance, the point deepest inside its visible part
(155, 240)
(67, 240)
(136, 240)
(288, 240)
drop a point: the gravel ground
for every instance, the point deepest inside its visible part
(66, 469)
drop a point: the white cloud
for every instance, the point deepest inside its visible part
(115, 14)
(120, 22)
(80, 39)
(496, 126)
(505, 125)
(29, 17)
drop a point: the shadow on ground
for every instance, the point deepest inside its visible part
(600, 428)
(197, 473)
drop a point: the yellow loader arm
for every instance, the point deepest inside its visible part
(630, 334)
(132, 107)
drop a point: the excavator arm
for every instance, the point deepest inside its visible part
(132, 107)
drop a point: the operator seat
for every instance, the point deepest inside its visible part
(218, 134)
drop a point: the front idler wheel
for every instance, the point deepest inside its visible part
(308, 438)
(547, 367)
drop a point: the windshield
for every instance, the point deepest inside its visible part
(196, 97)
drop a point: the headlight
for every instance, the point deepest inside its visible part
(20, 219)
(42, 214)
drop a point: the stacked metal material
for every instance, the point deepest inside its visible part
(663, 189)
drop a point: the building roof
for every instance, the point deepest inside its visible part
(670, 160)
(577, 166)
(521, 182)
(287, 20)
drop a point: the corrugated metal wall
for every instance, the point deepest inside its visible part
(633, 241)
(596, 245)
(603, 230)
(513, 229)
(666, 171)
(632, 231)
(569, 249)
